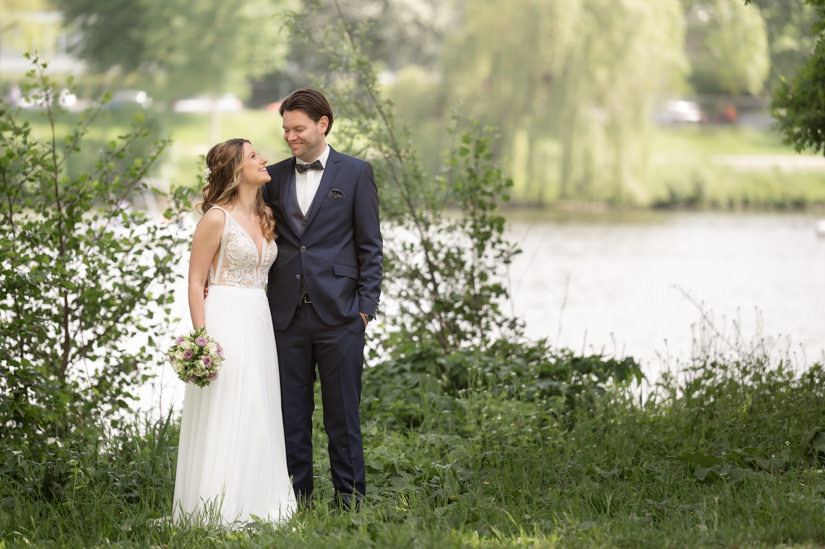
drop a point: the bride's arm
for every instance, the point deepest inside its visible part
(205, 244)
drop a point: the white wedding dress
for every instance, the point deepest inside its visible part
(231, 458)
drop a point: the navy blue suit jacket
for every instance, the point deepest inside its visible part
(339, 253)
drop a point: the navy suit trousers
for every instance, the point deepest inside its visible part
(338, 352)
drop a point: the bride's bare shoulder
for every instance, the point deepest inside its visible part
(213, 220)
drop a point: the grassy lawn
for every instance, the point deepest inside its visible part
(706, 140)
(720, 167)
(517, 448)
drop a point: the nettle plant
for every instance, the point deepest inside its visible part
(84, 279)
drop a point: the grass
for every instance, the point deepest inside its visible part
(705, 140)
(685, 174)
(519, 447)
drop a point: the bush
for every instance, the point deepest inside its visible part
(402, 391)
(84, 291)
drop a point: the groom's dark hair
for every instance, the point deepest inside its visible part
(310, 101)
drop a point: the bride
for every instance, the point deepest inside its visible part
(231, 459)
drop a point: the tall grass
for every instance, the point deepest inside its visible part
(523, 447)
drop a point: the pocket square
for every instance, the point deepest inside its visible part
(335, 193)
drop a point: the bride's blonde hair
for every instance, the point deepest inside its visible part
(224, 163)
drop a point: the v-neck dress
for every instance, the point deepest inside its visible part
(231, 457)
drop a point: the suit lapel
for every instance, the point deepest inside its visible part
(330, 171)
(286, 182)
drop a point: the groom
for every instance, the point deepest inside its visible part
(323, 290)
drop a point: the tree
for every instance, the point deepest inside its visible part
(798, 103)
(83, 284)
(395, 34)
(209, 46)
(788, 25)
(728, 47)
(570, 84)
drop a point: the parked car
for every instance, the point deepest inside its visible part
(128, 99)
(680, 111)
(203, 103)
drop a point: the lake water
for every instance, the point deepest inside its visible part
(657, 286)
(654, 286)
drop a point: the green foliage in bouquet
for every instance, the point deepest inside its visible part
(196, 357)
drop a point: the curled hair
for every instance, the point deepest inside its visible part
(310, 101)
(224, 163)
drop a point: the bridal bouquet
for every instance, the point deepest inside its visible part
(196, 357)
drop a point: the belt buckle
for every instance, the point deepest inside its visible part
(306, 299)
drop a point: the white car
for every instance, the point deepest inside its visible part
(680, 111)
(129, 99)
(203, 103)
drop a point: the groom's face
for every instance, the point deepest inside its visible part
(304, 135)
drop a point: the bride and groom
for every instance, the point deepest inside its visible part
(246, 434)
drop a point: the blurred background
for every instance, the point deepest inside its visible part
(641, 103)
(653, 202)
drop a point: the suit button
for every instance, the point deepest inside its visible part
(298, 277)
(303, 248)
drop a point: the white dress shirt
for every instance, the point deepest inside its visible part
(306, 184)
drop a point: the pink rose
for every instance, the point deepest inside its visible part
(187, 354)
(178, 340)
(212, 377)
(200, 341)
(207, 360)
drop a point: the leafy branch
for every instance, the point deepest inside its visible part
(443, 268)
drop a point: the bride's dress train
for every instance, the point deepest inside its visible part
(231, 458)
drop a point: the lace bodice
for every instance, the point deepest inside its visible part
(238, 262)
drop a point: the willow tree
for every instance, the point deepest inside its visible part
(571, 84)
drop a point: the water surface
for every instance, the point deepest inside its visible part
(642, 284)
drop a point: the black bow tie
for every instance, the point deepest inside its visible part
(314, 166)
